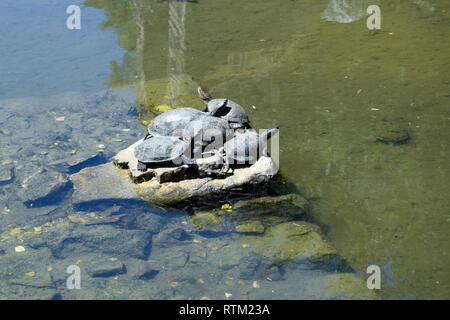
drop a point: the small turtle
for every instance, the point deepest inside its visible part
(245, 147)
(160, 149)
(226, 109)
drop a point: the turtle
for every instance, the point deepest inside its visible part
(245, 147)
(172, 122)
(207, 131)
(160, 149)
(226, 109)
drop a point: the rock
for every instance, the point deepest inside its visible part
(274, 273)
(390, 133)
(249, 266)
(290, 205)
(25, 276)
(145, 271)
(101, 182)
(180, 234)
(250, 227)
(77, 162)
(295, 241)
(100, 238)
(172, 192)
(106, 269)
(207, 221)
(6, 174)
(40, 187)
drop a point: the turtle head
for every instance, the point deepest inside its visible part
(266, 135)
(203, 94)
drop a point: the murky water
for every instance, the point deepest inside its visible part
(338, 91)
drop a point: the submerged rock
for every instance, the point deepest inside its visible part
(251, 227)
(77, 162)
(6, 174)
(294, 241)
(106, 269)
(101, 182)
(145, 271)
(252, 215)
(390, 133)
(100, 238)
(40, 186)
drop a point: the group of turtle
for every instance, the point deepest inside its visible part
(183, 135)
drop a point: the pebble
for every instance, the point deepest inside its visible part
(19, 249)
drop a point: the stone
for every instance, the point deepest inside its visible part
(391, 133)
(100, 238)
(180, 234)
(167, 193)
(40, 186)
(25, 276)
(6, 174)
(289, 242)
(77, 162)
(106, 269)
(145, 271)
(250, 227)
(101, 182)
(206, 221)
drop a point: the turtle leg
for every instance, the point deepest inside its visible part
(141, 166)
(187, 160)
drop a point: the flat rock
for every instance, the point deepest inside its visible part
(171, 192)
(295, 241)
(106, 269)
(78, 162)
(101, 182)
(6, 174)
(41, 186)
(107, 182)
(106, 239)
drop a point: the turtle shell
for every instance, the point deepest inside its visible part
(232, 112)
(159, 149)
(244, 147)
(172, 122)
(207, 127)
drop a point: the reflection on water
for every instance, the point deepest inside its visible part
(363, 118)
(345, 11)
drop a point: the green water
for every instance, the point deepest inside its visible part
(332, 88)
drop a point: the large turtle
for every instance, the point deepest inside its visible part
(160, 149)
(226, 109)
(207, 132)
(245, 147)
(172, 122)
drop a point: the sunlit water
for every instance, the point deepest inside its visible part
(312, 67)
